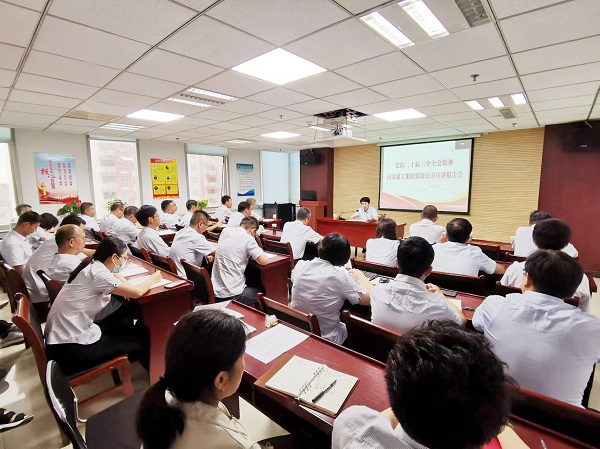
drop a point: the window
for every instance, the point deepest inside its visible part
(107, 156)
(285, 187)
(8, 200)
(205, 177)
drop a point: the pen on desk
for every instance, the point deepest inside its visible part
(543, 444)
(469, 308)
(322, 393)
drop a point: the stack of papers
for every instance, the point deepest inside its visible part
(138, 281)
(133, 270)
(456, 302)
(269, 345)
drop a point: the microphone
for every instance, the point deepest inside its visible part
(345, 212)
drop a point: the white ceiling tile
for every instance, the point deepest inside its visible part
(77, 41)
(3, 92)
(122, 99)
(314, 107)
(11, 118)
(71, 128)
(43, 99)
(10, 56)
(278, 21)
(279, 114)
(520, 116)
(244, 107)
(175, 107)
(444, 132)
(234, 84)
(172, 67)
(444, 109)
(197, 122)
(17, 24)
(280, 96)
(477, 128)
(340, 45)
(217, 114)
(198, 5)
(358, 6)
(562, 119)
(356, 98)
(229, 126)
(475, 44)
(382, 106)
(505, 8)
(252, 121)
(144, 85)
(323, 84)
(37, 5)
(581, 51)
(430, 99)
(562, 77)
(560, 23)
(586, 100)
(258, 131)
(228, 47)
(285, 126)
(108, 132)
(34, 108)
(574, 111)
(556, 93)
(105, 108)
(430, 127)
(489, 113)
(147, 21)
(80, 122)
(143, 135)
(36, 83)
(490, 89)
(381, 69)
(409, 86)
(471, 122)
(488, 70)
(456, 116)
(7, 77)
(517, 124)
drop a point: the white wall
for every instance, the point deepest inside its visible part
(244, 157)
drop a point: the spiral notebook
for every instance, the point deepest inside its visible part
(305, 380)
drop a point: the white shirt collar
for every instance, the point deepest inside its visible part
(411, 280)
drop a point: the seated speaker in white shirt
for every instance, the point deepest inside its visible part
(366, 212)
(253, 204)
(88, 212)
(117, 210)
(524, 244)
(384, 247)
(407, 302)
(149, 238)
(191, 245)
(552, 234)
(168, 217)
(20, 210)
(79, 334)
(458, 257)
(223, 212)
(435, 375)
(243, 210)
(427, 228)
(15, 249)
(126, 228)
(320, 286)
(550, 347)
(298, 233)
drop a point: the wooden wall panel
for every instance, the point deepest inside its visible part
(505, 182)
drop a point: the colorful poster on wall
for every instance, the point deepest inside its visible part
(55, 178)
(164, 178)
(245, 179)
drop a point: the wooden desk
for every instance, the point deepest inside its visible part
(268, 223)
(505, 248)
(167, 235)
(91, 243)
(357, 232)
(268, 234)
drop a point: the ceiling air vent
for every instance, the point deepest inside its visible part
(473, 11)
(85, 115)
(507, 113)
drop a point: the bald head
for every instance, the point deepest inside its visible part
(70, 239)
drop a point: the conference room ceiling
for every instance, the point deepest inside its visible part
(111, 58)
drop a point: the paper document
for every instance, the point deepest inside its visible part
(271, 255)
(456, 302)
(220, 306)
(138, 281)
(133, 269)
(272, 343)
(166, 232)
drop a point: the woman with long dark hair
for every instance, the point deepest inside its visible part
(383, 248)
(78, 335)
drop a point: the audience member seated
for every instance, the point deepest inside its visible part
(47, 227)
(149, 238)
(189, 243)
(252, 203)
(237, 245)
(551, 234)
(298, 233)
(458, 257)
(70, 240)
(524, 244)
(86, 326)
(223, 212)
(88, 212)
(366, 212)
(427, 228)
(204, 364)
(384, 247)
(407, 302)
(191, 206)
(117, 210)
(168, 217)
(126, 228)
(446, 388)
(320, 286)
(15, 249)
(550, 347)
(243, 211)
(20, 210)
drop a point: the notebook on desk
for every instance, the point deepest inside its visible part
(313, 384)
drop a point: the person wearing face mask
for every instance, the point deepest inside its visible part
(81, 331)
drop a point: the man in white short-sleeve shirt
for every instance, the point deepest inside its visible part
(298, 233)
(407, 302)
(126, 228)
(191, 245)
(243, 211)
(117, 209)
(70, 240)
(15, 249)
(457, 257)
(191, 206)
(550, 347)
(252, 203)
(237, 245)
(427, 228)
(524, 244)
(88, 211)
(149, 238)
(223, 212)
(365, 213)
(168, 217)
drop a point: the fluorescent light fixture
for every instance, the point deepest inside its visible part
(474, 104)
(318, 128)
(278, 67)
(402, 114)
(496, 102)
(122, 127)
(190, 102)
(211, 94)
(387, 29)
(240, 141)
(421, 14)
(280, 135)
(155, 116)
(519, 99)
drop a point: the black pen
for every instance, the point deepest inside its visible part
(320, 395)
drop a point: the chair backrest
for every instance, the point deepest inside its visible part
(63, 403)
(101, 235)
(166, 263)
(135, 251)
(14, 284)
(214, 236)
(372, 267)
(468, 284)
(96, 235)
(258, 241)
(203, 289)
(179, 227)
(4, 284)
(280, 248)
(492, 251)
(512, 258)
(504, 290)
(306, 321)
(367, 338)
(53, 286)
(27, 321)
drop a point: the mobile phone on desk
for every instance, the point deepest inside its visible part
(174, 284)
(451, 293)
(384, 280)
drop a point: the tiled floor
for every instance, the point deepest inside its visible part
(21, 391)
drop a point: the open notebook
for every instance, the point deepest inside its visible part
(304, 380)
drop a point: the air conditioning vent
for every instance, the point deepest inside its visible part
(473, 11)
(85, 115)
(507, 113)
